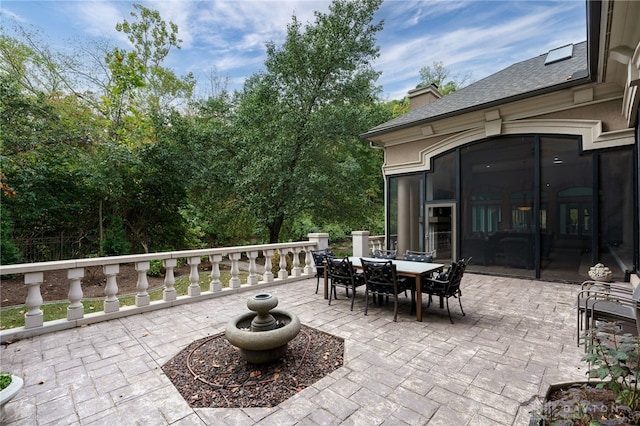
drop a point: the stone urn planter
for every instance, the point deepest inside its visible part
(610, 397)
(9, 392)
(576, 403)
(599, 272)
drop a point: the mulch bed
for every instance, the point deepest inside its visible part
(209, 373)
(583, 403)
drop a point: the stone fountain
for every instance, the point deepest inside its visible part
(263, 334)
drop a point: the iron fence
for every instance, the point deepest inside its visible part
(46, 249)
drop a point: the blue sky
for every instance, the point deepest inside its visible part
(477, 37)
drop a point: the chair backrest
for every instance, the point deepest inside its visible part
(318, 256)
(464, 263)
(379, 273)
(340, 270)
(446, 280)
(455, 276)
(384, 254)
(419, 256)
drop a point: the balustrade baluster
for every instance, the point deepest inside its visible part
(75, 310)
(282, 273)
(253, 277)
(267, 277)
(215, 284)
(234, 282)
(111, 302)
(169, 292)
(142, 297)
(308, 261)
(295, 270)
(194, 277)
(34, 316)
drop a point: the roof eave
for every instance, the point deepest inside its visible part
(549, 89)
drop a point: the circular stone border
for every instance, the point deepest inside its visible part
(209, 372)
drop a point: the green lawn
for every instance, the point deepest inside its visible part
(14, 317)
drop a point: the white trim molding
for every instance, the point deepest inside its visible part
(631, 99)
(589, 130)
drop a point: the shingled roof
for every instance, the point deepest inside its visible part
(523, 79)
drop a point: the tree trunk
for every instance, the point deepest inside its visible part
(274, 229)
(100, 227)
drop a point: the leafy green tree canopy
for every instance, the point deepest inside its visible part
(441, 76)
(296, 120)
(141, 91)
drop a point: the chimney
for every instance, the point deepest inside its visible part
(422, 96)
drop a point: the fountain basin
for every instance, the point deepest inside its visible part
(259, 347)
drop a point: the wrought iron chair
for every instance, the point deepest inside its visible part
(381, 279)
(419, 256)
(447, 285)
(318, 260)
(384, 254)
(342, 274)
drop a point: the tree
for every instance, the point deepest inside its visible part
(30, 63)
(70, 177)
(206, 136)
(9, 253)
(152, 39)
(295, 120)
(438, 74)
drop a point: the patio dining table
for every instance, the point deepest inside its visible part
(404, 268)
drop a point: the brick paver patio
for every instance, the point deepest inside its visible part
(486, 369)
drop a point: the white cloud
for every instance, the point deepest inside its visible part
(179, 12)
(481, 36)
(7, 15)
(97, 18)
(477, 43)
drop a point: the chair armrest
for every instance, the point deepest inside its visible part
(605, 286)
(612, 297)
(634, 305)
(602, 289)
(590, 302)
(434, 280)
(434, 285)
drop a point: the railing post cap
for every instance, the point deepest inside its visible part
(360, 233)
(318, 235)
(33, 277)
(111, 269)
(75, 273)
(170, 263)
(143, 266)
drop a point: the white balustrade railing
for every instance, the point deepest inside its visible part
(34, 323)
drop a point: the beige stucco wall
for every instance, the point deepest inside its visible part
(609, 112)
(410, 151)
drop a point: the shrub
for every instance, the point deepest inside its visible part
(5, 380)
(275, 263)
(615, 357)
(156, 268)
(115, 238)
(614, 399)
(9, 253)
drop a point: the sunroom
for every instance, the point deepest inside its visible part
(532, 171)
